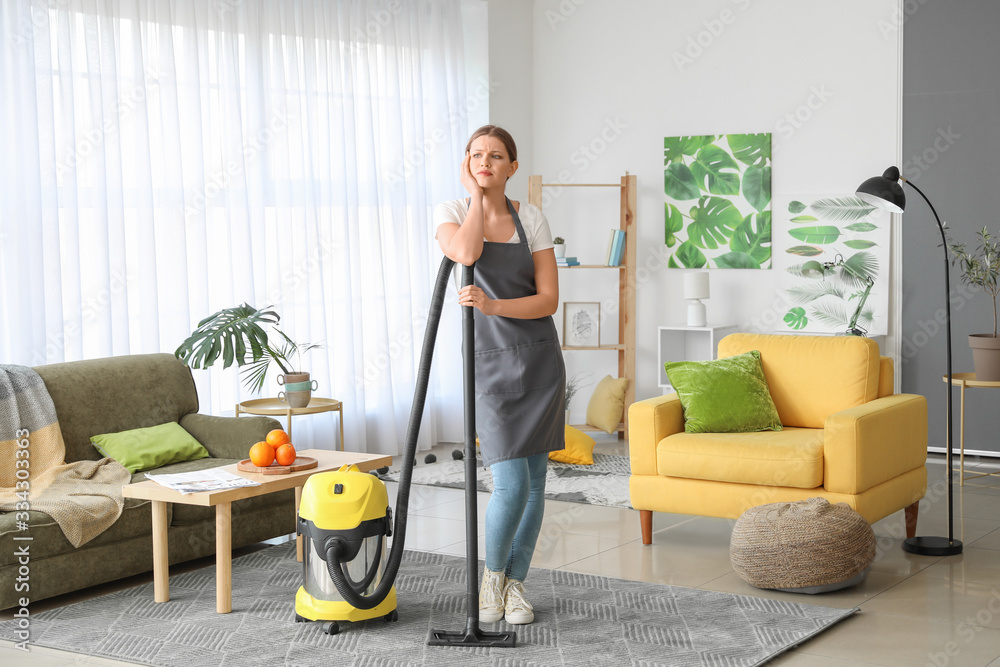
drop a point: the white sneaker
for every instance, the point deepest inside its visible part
(491, 596)
(517, 609)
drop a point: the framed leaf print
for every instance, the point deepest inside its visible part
(717, 201)
(813, 230)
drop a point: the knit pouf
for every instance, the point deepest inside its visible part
(809, 546)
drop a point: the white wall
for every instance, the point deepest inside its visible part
(608, 86)
(511, 66)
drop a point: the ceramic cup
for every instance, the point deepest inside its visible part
(301, 386)
(293, 377)
(296, 399)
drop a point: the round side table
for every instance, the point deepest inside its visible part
(964, 380)
(271, 407)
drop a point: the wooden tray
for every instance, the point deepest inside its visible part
(301, 463)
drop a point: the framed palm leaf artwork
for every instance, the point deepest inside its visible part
(811, 233)
(717, 207)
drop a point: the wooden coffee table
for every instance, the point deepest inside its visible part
(160, 496)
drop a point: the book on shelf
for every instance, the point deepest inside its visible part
(567, 261)
(611, 244)
(621, 249)
(617, 245)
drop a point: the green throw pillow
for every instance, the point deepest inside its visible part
(148, 448)
(726, 395)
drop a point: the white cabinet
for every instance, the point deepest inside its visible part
(683, 343)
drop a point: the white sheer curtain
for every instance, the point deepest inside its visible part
(164, 159)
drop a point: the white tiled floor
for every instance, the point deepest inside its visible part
(915, 610)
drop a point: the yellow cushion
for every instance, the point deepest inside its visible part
(607, 404)
(812, 377)
(791, 457)
(579, 448)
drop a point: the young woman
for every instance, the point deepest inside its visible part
(520, 376)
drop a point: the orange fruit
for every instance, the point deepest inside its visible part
(261, 454)
(285, 455)
(277, 438)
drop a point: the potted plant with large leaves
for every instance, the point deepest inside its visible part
(981, 268)
(234, 334)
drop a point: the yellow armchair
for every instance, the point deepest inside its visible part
(846, 437)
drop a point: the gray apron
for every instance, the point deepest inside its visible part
(520, 375)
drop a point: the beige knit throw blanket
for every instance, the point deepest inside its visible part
(84, 497)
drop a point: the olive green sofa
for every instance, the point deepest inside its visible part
(119, 394)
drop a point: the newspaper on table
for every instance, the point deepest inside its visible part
(212, 479)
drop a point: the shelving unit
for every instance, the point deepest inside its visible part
(625, 347)
(679, 342)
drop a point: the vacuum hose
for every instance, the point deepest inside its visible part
(334, 552)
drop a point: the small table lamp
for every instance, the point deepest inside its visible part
(696, 289)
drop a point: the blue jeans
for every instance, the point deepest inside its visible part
(514, 515)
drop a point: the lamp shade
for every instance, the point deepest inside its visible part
(696, 285)
(884, 191)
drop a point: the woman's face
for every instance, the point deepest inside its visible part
(489, 162)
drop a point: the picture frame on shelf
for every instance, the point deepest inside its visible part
(581, 323)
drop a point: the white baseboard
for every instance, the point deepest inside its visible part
(989, 453)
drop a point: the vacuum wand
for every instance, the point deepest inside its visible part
(472, 635)
(469, 395)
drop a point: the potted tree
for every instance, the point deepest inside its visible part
(233, 333)
(981, 268)
(559, 246)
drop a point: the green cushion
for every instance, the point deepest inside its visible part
(148, 448)
(726, 395)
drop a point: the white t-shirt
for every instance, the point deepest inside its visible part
(536, 227)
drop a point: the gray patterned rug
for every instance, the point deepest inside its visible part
(604, 483)
(579, 620)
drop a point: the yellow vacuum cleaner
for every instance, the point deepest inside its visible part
(344, 517)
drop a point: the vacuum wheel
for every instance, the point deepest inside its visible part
(391, 616)
(300, 619)
(331, 628)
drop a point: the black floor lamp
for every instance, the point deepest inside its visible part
(885, 192)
